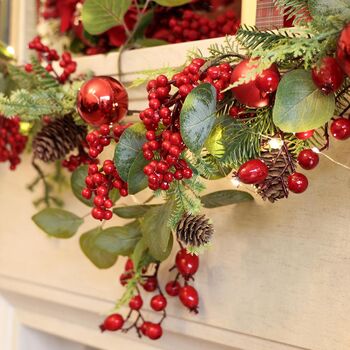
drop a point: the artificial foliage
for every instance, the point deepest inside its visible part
(260, 113)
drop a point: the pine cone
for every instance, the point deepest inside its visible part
(56, 139)
(194, 230)
(280, 166)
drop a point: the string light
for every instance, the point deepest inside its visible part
(275, 143)
(316, 150)
(10, 50)
(235, 182)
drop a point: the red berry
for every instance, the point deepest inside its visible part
(308, 159)
(86, 193)
(150, 285)
(129, 265)
(189, 297)
(158, 302)
(173, 288)
(162, 80)
(112, 323)
(340, 128)
(328, 77)
(150, 135)
(28, 68)
(253, 172)
(136, 302)
(186, 263)
(297, 183)
(144, 327)
(124, 278)
(214, 73)
(187, 173)
(154, 331)
(235, 112)
(178, 175)
(108, 214)
(97, 213)
(304, 135)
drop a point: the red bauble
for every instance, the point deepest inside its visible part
(340, 128)
(158, 302)
(112, 323)
(297, 183)
(189, 297)
(328, 77)
(267, 82)
(343, 49)
(253, 172)
(308, 159)
(102, 100)
(186, 263)
(248, 93)
(304, 135)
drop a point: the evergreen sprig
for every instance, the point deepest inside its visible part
(297, 9)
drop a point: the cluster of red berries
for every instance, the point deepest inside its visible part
(99, 183)
(48, 56)
(187, 265)
(75, 161)
(99, 138)
(194, 26)
(12, 142)
(164, 147)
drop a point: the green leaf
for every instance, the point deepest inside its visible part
(128, 149)
(172, 3)
(139, 252)
(114, 195)
(137, 180)
(132, 211)
(198, 116)
(300, 105)
(77, 182)
(101, 15)
(156, 231)
(143, 24)
(226, 197)
(120, 240)
(147, 42)
(99, 257)
(58, 223)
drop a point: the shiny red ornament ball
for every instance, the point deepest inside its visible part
(253, 172)
(297, 183)
(248, 93)
(340, 129)
(343, 49)
(304, 135)
(267, 82)
(329, 76)
(102, 100)
(308, 159)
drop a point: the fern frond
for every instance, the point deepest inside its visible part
(31, 105)
(45, 80)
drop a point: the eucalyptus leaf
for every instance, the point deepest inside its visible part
(99, 257)
(172, 3)
(197, 116)
(300, 105)
(58, 223)
(137, 180)
(128, 149)
(132, 211)
(156, 232)
(100, 15)
(225, 197)
(77, 182)
(120, 240)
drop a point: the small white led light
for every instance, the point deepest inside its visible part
(235, 181)
(316, 150)
(275, 143)
(10, 50)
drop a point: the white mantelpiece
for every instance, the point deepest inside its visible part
(276, 277)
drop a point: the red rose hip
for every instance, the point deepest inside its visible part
(340, 129)
(308, 159)
(253, 172)
(297, 183)
(186, 263)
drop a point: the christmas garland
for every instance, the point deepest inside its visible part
(257, 114)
